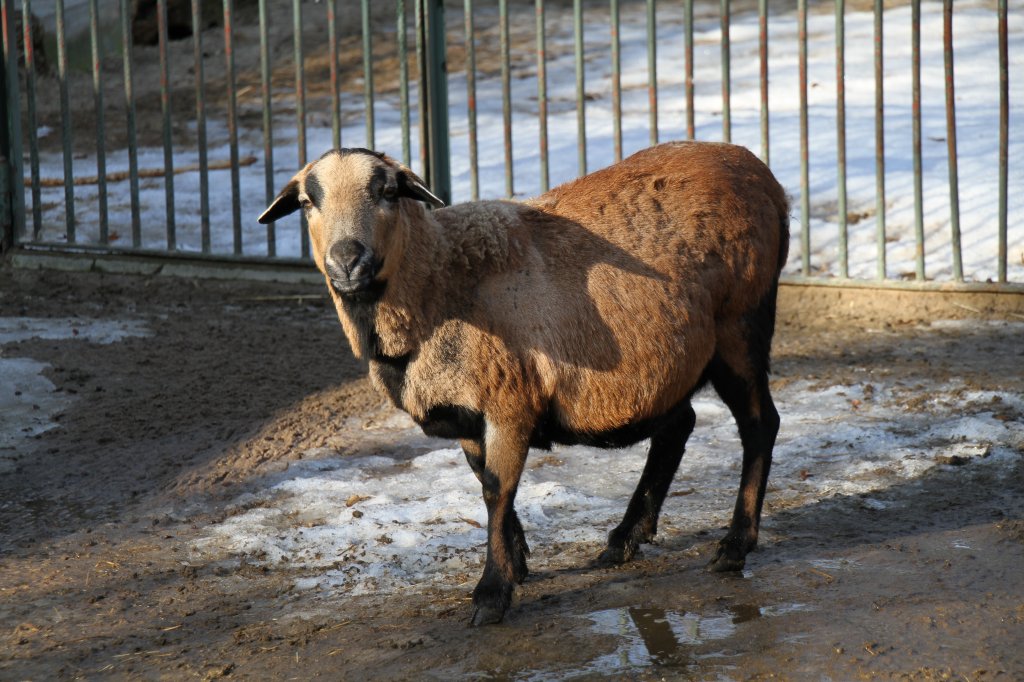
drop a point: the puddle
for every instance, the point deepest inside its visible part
(666, 639)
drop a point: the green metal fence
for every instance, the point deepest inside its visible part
(122, 162)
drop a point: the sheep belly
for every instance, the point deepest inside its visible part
(452, 421)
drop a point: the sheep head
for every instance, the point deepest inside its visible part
(351, 199)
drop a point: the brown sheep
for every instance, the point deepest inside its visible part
(590, 314)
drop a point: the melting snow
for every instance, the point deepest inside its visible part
(354, 525)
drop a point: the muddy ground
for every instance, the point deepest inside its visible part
(237, 378)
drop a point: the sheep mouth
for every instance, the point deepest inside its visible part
(363, 286)
(351, 286)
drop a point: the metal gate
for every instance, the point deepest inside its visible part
(174, 148)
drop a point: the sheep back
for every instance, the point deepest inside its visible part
(608, 295)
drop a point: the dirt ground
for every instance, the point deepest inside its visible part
(237, 378)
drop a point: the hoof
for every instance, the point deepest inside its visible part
(613, 556)
(487, 615)
(490, 601)
(723, 563)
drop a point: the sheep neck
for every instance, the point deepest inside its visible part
(443, 255)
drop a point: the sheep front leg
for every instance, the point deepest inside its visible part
(505, 454)
(475, 455)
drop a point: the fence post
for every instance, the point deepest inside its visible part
(6, 221)
(434, 83)
(12, 191)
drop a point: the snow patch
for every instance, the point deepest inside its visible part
(14, 329)
(356, 525)
(28, 400)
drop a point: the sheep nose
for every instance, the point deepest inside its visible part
(343, 257)
(350, 266)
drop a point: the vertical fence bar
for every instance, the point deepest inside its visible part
(879, 143)
(97, 94)
(915, 68)
(542, 96)
(762, 11)
(300, 80)
(332, 56)
(165, 111)
(266, 86)
(805, 179)
(9, 235)
(33, 137)
(403, 79)
(581, 115)
(726, 71)
(300, 110)
(690, 125)
(506, 94)
(954, 184)
(474, 165)
(1004, 136)
(652, 72)
(421, 104)
(204, 171)
(11, 137)
(229, 74)
(371, 138)
(65, 119)
(844, 255)
(437, 92)
(129, 104)
(616, 82)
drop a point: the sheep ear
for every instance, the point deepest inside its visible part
(412, 187)
(286, 203)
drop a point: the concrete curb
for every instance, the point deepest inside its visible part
(155, 266)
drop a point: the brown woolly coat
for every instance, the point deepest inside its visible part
(598, 303)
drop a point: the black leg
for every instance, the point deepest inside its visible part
(751, 404)
(504, 458)
(640, 523)
(474, 451)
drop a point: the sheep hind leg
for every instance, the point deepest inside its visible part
(474, 451)
(640, 523)
(751, 404)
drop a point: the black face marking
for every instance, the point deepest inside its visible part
(453, 421)
(378, 181)
(314, 190)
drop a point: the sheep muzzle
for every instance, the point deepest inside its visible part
(350, 266)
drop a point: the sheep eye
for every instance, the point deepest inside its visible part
(390, 192)
(306, 204)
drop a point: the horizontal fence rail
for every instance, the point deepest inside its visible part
(166, 126)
